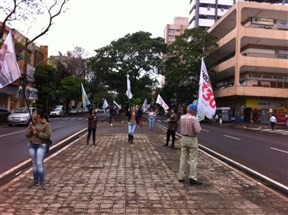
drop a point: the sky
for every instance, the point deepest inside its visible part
(92, 24)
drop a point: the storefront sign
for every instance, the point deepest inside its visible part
(262, 21)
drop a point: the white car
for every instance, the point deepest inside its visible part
(57, 112)
(20, 117)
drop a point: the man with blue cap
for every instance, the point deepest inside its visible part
(189, 128)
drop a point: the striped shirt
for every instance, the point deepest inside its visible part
(189, 125)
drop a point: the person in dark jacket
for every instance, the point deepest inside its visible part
(92, 126)
(140, 115)
(172, 127)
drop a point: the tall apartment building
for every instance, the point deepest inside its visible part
(180, 24)
(204, 13)
(251, 62)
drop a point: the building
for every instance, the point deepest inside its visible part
(251, 62)
(11, 95)
(204, 13)
(180, 24)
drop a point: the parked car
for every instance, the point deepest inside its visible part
(57, 112)
(4, 113)
(99, 110)
(73, 111)
(21, 116)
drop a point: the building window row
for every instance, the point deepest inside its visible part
(256, 80)
(267, 23)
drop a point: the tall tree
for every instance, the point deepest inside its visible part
(137, 55)
(47, 82)
(29, 11)
(70, 89)
(183, 63)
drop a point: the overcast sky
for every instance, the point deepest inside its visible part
(93, 24)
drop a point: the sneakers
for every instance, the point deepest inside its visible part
(165, 145)
(43, 187)
(194, 182)
(34, 184)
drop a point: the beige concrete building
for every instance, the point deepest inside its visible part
(180, 24)
(251, 63)
(10, 95)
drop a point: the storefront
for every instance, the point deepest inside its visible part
(260, 110)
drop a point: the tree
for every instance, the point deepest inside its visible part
(47, 82)
(70, 89)
(29, 11)
(183, 63)
(137, 55)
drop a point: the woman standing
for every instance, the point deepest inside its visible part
(151, 117)
(92, 126)
(38, 132)
(132, 116)
(172, 127)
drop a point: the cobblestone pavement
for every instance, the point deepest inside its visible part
(115, 177)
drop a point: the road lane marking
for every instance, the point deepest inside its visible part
(17, 132)
(235, 138)
(279, 150)
(205, 130)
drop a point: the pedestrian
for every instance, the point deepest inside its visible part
(172, 127)
(112, 113)
(92, 126)
(189, 128)
(38, 132)
(132, 122)
(140, 115)
(273, 120)
(151, 118)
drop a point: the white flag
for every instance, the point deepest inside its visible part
(128, 91)
(9, 68)
(161, 102)
(145, 106)
(105, 105)
(206, 101)
(119, 106)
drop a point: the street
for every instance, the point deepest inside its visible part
(263, 152)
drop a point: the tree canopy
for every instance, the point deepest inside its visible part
(183, 63)
(137, 55)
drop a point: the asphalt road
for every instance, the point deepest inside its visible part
(13, 143)
(263, 152)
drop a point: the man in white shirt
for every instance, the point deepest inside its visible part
(273, 120)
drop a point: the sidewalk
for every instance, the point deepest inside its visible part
(115, 177)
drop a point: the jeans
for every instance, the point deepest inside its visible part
(168, 134)
(91, 131)
(189, 151)
(151, 122)
(38, 153)
(131, 128)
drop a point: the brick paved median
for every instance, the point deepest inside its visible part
(115, 177)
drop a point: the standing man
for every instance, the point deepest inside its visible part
(272, 121)
(189, 128)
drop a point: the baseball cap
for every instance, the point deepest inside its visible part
(192, 107)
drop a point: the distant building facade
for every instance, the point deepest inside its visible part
(11, 95)
(251, 63)
(204, 13)
(180, 24)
